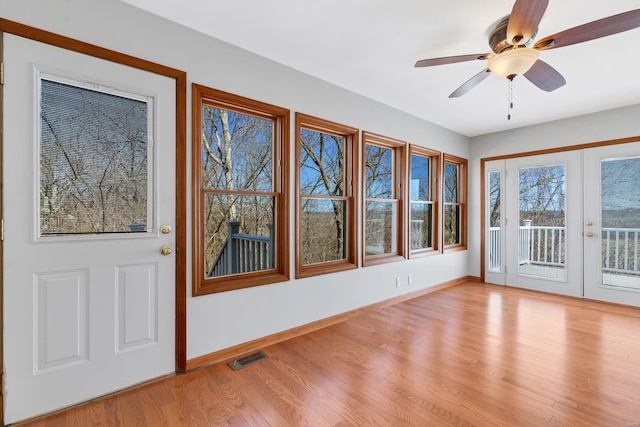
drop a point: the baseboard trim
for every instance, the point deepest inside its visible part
(260, 343)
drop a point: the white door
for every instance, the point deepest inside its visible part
(543, 223)
(612, 223)
(88, 175)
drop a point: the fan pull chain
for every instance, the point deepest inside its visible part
(510, 99)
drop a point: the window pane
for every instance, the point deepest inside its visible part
(238, 234)
(237, 151)
(323, 230)
(620, 208)
(379, 172)
(542, 221)
(494, 199)
(450, 183)
(421, 225)
(321, 163)
(381, 235)
(93, 161)
(495, 232)
(420, 178)
(451, 224)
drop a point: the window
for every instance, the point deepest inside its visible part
(423, 210)
(240, 201)
(455, 202)
(383, 173)
(95, 160)
(326, 179)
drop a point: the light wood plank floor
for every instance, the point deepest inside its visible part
(469, 355)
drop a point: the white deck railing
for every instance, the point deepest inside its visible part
(546, 246)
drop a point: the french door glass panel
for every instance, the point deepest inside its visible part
(541, 221)
(612, 223)
(494, 214)
(620, 210)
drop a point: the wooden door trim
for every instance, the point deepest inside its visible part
(180, 77)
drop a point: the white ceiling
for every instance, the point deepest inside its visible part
(370, 47)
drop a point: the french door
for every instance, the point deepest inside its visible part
(89, 288)
(566, 223)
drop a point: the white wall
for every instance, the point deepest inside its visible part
(609, 125)
(222, 320)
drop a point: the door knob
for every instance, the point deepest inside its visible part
(166, 250)
(165, 229)
(589, 234)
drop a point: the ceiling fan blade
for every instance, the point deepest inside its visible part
(471, 83)
(545, 76)
(592, 30)
(451, 59)
(524, 19)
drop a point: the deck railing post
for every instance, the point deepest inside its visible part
(233, 227)
(272, 256)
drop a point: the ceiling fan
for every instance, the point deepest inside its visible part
(513, 55)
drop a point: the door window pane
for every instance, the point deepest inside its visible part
(495, 224)
(620, 207)
(94, 160)
(542, 222)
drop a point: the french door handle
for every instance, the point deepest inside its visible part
(590, 234)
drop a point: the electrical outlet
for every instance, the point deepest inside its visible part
(397, 282)
(410, 279)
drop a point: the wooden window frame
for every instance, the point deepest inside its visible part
(281, 118)
(400, 176)
(434, 178)
(352, 147)
(463, 185)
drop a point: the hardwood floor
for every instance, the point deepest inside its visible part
(469, 355)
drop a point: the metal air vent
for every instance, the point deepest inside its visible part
(245, 361)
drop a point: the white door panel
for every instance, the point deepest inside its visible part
(84, 315)
(546, 254)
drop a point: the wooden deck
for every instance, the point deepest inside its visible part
(620, 280)
(469, 355)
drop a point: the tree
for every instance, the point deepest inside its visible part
(322, 174)
(93, 160)
(237, 166)
(380, 206)
(542, 195)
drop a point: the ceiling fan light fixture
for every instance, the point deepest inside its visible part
(514, 62)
